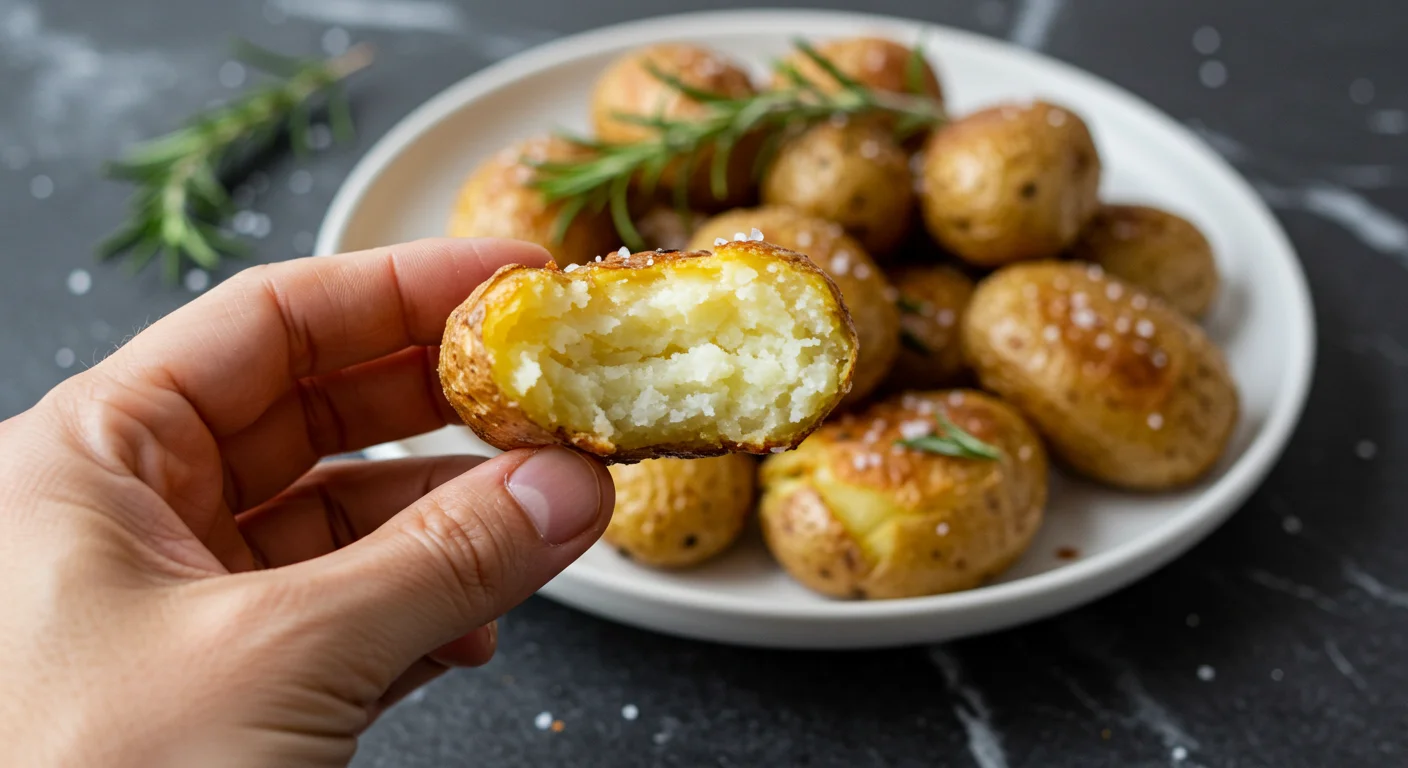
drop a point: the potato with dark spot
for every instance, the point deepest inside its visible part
(1155, 250)
(498, 200)
(854, 174)
(851, 514)
(866, 292)
(678, 513)
(931, 300)
(629, 88)
(1125, 389)
(1010, 183)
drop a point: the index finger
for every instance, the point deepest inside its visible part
(234, 351)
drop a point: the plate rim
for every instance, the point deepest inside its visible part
(1120, 566)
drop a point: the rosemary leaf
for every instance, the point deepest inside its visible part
(909, 306)
(846, 81)
(954, 441)
(913, 343)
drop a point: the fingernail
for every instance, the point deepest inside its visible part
(559, 492)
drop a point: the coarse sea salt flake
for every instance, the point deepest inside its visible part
(624, 252)
(720, 241)
(756, 235)
(571, 268)
(739, 236)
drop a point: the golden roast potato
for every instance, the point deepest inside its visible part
(1125, 389)
(854, 174)
(867, 293)
(1155, 250)
(1010, 183)
(852, 513)
(498, 200)
(628, 88)
(877, 63)
(932, 299)
(653, 354)
(676, 513)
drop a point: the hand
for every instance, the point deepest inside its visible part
(181, 583)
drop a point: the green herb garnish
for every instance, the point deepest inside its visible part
(952, 440)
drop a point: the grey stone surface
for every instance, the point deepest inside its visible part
(1280, 641)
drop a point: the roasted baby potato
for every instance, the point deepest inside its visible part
(1154, 250)
(877, 63)
(629, 89)
(867, 293)
(498, 200)
(1125, 389)
(662, 226)
(676, 513)
(651, 355)
(851, 513)
(1010, 183)
(854, 174)
(932, 300)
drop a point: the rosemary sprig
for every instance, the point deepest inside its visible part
(604, 180)
(913, 343)
(909, 306)
(953, 440)
(182, 199)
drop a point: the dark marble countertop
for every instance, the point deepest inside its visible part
(1282, 640)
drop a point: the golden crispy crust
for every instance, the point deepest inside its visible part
(497, 200)
(856, 175)
(467, 378)
(935, 523)
(1010, 183)
(932, 301)
(1154, 250)
(628, 88)
(1126, 389)
(868, 295)
(678, 513)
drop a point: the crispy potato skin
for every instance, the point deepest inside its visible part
(1010, 183)
(875, 62)
(1155, 250)
(1125, 389)
(498, 201)
(855, 174)
(866, 291)
(467, 379)
(946, 524)
(628, 88)
(678, 513)
(933, 299)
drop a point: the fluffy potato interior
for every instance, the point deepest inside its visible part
(730, 347)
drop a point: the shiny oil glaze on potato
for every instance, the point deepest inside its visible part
(1125, 389)
(652, 354)
(852, 514)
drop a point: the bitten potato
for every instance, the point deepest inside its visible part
(1155, 250)
(932, 300)
(498, 200)
(852, 514)
(854, 174)
(651, 355)
(1125, 389)
(629, 88)
(677, 513)
(868, 295)
(1010, 183)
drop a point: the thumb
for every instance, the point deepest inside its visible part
(465, 553)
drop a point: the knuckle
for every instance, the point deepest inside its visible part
(467, 550)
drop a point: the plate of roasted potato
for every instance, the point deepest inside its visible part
(889, 333)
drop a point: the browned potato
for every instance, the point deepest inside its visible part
(497, 200)
(852, 514)
(1010, 183)
(867, 293)
(932, 300)
(676, 513)
(1154, 250)
(628, 88)
(1125, 389)
(651, 355)
(876, 63)
(661, 226)
(854, 174)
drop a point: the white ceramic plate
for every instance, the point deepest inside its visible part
(404, 187)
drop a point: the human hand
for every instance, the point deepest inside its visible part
(182, 584)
